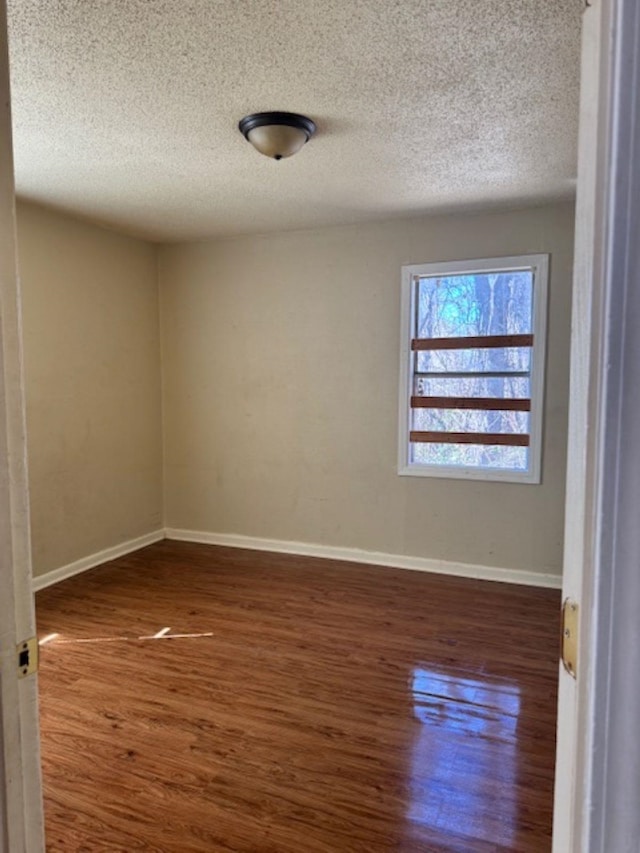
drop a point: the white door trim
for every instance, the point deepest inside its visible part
(611, 819)
(597, 772)
(21, 823)
(580, 512)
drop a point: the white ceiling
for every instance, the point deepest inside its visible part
(126, 111)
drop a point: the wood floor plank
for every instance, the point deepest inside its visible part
(324, 708)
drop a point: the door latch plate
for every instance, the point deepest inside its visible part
(570, 637)
(27, 657)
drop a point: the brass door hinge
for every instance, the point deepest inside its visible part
(570, 637)
(27, 657)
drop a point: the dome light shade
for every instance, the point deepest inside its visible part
(277, 135)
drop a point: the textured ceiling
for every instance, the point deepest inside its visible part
(126, 111)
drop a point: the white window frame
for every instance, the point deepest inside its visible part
(538, 264)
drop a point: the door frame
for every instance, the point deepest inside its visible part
(597, 777)
(21, 820)
(611, 817)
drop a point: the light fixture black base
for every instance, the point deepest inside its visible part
(248, 123)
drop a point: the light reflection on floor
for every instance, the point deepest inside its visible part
(468, 734)
(163, 634)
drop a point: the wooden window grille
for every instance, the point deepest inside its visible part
(471, 403)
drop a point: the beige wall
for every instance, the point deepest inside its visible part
(90, 317)
(280, 378)
(280, 362)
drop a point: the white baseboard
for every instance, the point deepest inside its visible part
(57, 575)
(330, 552)
(376, 558)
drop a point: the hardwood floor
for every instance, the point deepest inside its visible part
(326, 708)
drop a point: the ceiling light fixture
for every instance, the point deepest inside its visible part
(277, 135)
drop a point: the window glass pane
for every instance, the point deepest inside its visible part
(498, 360)
(470, 455)
(493, 303)
(513, 387)
(469, 420)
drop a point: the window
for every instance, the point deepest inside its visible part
(473, 346)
